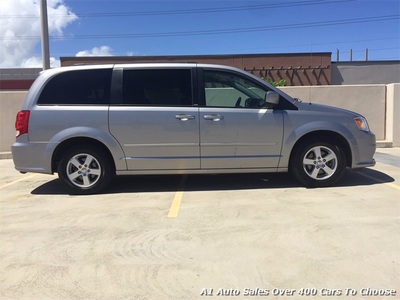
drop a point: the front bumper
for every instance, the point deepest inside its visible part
(363, 150)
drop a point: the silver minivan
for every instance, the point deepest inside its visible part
(90, 123)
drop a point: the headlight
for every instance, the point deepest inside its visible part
(361, 123)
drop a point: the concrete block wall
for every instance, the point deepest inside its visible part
(368, 101)
(379, 103)
(10, 104)
(393, 113)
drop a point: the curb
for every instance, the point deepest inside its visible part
(5, 155)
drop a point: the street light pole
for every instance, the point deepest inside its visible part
(45, 35)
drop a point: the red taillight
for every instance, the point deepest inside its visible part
(21, 124)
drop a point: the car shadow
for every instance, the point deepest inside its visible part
(219, 182)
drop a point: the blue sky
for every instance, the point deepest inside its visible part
(190, 27)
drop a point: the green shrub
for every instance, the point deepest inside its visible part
(281, 82)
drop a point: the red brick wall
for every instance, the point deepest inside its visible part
(15, 84)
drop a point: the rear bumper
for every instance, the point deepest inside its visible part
(31, 157)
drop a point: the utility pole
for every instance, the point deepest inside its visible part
(45, 35)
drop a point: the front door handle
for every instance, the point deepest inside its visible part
(214, 118)
(184, 117)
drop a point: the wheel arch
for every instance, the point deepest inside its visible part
(324, 134)
(82, 141)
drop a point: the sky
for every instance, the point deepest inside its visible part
(193, 27)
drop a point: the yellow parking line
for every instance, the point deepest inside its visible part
(392, 185)
(176, 203)
(17, 180)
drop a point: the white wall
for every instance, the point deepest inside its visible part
(393, 114)
(10, 104)
(367, 100)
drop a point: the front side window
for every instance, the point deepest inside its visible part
(161, 87)
(223, 89)
(77, 88)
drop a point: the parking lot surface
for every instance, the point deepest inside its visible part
(254, 236)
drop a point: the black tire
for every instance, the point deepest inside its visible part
(318, 162)
(85, 170)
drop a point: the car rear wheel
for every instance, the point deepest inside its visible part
(318, 162)
(85, 170)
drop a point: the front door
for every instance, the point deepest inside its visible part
(236, 130)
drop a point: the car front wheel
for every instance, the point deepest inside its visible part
(85, 170)
(318, 163)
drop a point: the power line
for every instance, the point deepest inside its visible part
(190, 11)
(218, 31)
(330, 44)
(212, 10)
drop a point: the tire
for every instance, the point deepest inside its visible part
(318, 162)
(85, 170)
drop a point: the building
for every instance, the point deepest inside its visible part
(18, 79)
(295, 68)
(365, 72)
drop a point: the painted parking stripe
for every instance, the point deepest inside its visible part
(176, 202)
(392, 185)
(17, 180)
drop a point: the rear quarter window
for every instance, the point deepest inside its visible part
(78, 87)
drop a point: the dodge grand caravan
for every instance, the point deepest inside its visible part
(90, 123)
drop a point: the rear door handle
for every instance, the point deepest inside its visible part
(214, 118)
(184, 117)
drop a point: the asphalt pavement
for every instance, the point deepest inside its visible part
(248, 236)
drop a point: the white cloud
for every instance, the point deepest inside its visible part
(36, 62)
(96, 51)
(132, 53)
(20, 29)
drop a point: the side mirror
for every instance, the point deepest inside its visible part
(272, 98)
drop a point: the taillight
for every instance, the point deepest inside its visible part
(22, 122)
